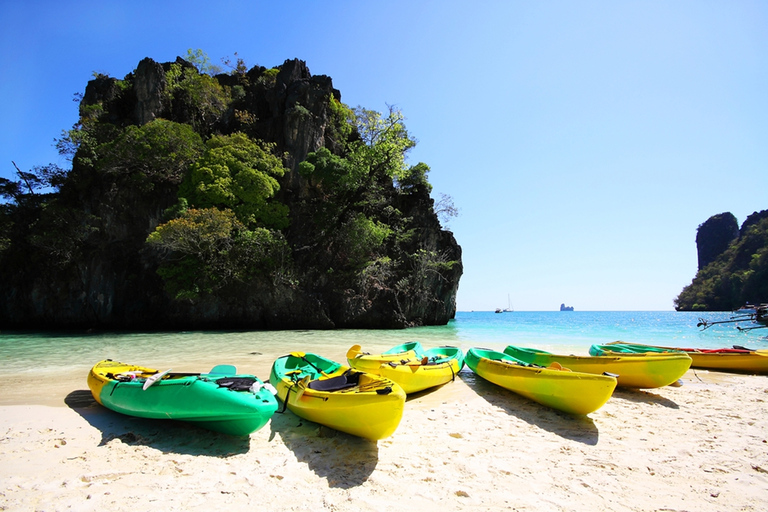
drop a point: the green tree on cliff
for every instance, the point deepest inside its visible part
(238, 173)
(230, 235)
(737, 276)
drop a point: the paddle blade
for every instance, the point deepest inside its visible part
(302, 386)
(298, 354)
(354, 351)
(557, 366)
(156, 377)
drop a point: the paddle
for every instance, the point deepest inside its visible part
(302, 356)
(354, 351)
(156, 377)
(557, 366)
(301, 386)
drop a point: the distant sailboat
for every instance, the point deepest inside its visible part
(509, 308)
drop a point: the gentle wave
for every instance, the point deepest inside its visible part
(254, 351)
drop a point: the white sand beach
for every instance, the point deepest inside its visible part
(466, 446)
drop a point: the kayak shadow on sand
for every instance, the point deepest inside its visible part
(644, 396)
(164, 435)
(344, 460)
(581, 429)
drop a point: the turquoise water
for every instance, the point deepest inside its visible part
(253, 352)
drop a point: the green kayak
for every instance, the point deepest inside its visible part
(220, 400)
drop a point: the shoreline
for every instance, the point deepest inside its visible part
(466, 445)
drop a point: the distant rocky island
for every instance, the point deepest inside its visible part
(563, 307)
(253, 199)
(732, 264)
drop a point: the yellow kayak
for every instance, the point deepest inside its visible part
(412, 370)
(736, 359)
(365, 362)
(325, 392)
(649, 371)
(556, 387)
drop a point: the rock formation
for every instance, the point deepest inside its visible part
(79, 258)
(714, 236)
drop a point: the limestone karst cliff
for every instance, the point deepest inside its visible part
(733, 264)
(253, 199)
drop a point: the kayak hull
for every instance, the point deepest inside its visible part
(571, 392)
(371, 409)
(410, 371)
(196, 399)
(365, 362)
(729, 360)
(650, 371)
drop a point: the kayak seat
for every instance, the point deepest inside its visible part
(348, 379)
(236, 383)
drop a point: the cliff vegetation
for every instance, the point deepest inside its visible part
(253, 198)
(733, 264)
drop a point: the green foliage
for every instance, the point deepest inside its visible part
(223, 235)
(334, 173)
(378, 153)
(172, 79)
(362, 237)
(342, 120)
(200, 60)
(416, 178)
(200, 233)
(159, 151)
(268, 78)
(383, 145)
(182, 278)
(211, 249)
(737, 276)
(298, 111)
(195, 96)
(237, 173)
(358, 185)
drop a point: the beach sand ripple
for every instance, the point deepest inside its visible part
(466, 446)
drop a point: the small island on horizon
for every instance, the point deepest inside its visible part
(563, 307)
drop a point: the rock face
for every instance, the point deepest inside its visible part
(148, 85)
(733, 265)
(714, 236)
(101, 273)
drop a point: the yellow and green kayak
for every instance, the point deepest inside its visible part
(736, 359)
(366, 362)
(221, 400)
(649, 371)
(414, 369)
(555, 386)
(325, 392)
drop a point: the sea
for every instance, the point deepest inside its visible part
(36, 355)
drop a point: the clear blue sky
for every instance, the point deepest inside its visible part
(582, 141)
